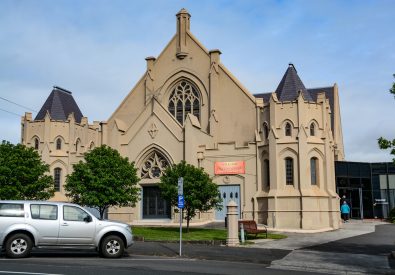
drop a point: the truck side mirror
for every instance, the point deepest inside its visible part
(88, 218)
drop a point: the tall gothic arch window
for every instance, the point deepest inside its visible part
(59, 144)
(265, 130)
(77, 145)
(153, 166)
(288, 129)
(184, 99)
(36, 143)
(312, 129)
(289, 171)
(56, 176)
(314, 171)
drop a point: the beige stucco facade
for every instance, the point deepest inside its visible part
(188, 106)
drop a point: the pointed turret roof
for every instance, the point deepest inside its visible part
(59, 104)
(290, 85)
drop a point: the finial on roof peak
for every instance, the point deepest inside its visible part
(291, 65)
(183, 10)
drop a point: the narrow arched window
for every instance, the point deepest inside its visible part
(288, 129)
(265, 130)
(57, 176)
(77, 145)
(59, 144)
(314, 170)
(36, 143)
(289, 171)
(184, 99)
(266, 168)
(91, 146)
(312, 129)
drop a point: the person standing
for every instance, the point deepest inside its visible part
(345, 211)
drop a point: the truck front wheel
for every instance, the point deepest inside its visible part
(112, 247)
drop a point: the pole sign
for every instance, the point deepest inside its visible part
(180, 186)
(180, 201)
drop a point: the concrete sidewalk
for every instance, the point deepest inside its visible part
(301, 240)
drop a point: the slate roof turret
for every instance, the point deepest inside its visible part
(60, 103)
(290, 85)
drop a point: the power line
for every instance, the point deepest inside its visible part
(17, 104)
(10, 112)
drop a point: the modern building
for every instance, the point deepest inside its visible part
(369, 187)
(273, 154)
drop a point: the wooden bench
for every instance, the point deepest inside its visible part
(250, 227)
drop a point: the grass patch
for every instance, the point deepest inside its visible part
(195, 234)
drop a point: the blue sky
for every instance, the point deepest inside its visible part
(96, 49)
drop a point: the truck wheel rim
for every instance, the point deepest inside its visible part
(18, 246)
(113, 247)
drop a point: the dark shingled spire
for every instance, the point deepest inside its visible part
(60, 103)
(290, 85)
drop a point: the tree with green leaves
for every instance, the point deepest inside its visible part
(386, 143)
(200, 192)
(23, 175)
(103, 180)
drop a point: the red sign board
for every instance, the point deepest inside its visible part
(229, 167)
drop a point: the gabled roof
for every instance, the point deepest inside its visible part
(60, 103)
(290, 85)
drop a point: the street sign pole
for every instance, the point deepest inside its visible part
(181, 210)
(181, 206)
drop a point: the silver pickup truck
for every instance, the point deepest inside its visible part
(28, 224)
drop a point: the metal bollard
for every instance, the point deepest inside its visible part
(242, 233)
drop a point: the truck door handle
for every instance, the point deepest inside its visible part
(65, 224)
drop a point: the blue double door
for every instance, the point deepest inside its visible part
(228, 193)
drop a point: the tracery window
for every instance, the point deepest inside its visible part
(154, 166)
(184, 99)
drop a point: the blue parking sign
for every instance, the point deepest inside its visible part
(180, 201)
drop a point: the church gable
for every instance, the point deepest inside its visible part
(185, 79)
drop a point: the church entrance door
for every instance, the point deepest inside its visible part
(154, 206)
(228, 193)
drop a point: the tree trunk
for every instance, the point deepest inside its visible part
(101, 210)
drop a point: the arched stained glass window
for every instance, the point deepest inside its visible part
(153, 166)
(184, 99)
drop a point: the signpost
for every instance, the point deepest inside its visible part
(181, 205)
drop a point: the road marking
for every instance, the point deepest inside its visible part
(16, 272)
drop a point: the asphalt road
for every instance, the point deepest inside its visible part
(90, 263)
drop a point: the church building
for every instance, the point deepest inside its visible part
(273, 154)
